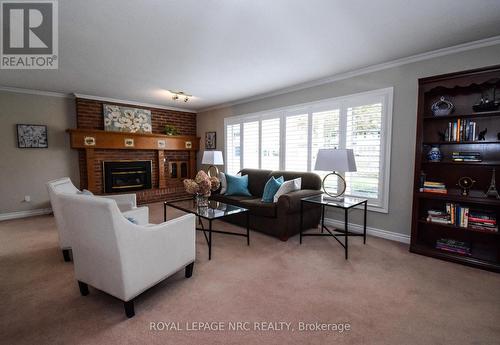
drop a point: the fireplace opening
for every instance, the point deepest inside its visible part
(125, 176)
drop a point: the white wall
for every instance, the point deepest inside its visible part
(404, 79)
(25, 171)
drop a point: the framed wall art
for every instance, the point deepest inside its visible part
(125, 119)
(210, 140)
(32, 136)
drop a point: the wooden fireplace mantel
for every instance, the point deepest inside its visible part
(99, 139)
(91, 139)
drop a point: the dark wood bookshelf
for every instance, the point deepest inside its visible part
(492, 163)
(458, 228)
(477, 142)
(456, 197)
(482, 114)
(463, 89)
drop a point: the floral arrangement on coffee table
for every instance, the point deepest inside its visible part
(202, 185)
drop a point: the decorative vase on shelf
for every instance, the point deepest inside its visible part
(434, 154)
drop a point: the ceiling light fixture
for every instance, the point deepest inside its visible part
(176, 95)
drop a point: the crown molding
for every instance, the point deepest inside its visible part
(141, 104)
(79, 95)
(365, 70)
(35, 92)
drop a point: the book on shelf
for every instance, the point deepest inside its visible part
(434, 187)
(466, 157)
(461, 130)
(453, 246)
(463, 217)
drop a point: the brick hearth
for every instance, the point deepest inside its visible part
(90, 116)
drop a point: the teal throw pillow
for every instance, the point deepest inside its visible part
(237, 185)
(271, 188)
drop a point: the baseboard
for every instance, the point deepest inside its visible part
(389, 235)
(24, 214)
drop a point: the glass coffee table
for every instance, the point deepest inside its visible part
(215, 210)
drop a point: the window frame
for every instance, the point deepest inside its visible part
(384, 95)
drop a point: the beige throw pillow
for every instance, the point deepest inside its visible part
(287, 187)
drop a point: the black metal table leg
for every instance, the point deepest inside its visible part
(301, 220)
(322, 218)
(364, 223)
(346, 222)
(210, 239)
(165, 211)
(248, 228)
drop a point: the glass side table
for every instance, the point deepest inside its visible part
(346, 204)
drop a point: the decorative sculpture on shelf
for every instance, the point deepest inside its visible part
(442, 136)
(465, 184)
(485, 104)
(442, 107)
(492, 191)
(482, 134)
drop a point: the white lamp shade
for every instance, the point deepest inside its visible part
(335, 160)
(212, 158)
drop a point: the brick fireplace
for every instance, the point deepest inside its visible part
(109, 147)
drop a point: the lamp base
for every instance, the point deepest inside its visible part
(210, 168)
(333, 198)
(330, 195)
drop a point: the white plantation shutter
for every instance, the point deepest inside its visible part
(270, 144)
(289, 139)
(233, 148)
(364, 124)
(325, 134)
(296, 142)
(251, 144)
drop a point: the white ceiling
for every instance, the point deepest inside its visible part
(226, 50)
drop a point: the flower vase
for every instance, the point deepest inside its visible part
(201, 200)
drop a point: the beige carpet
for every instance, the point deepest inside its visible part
(385, 294)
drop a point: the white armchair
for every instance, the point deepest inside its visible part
(126, 203)
(121, 258)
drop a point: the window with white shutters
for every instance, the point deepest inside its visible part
(251, 144)
(232, 148)
(296, 142)
(325, 133)
(363, 136)
(270, 144)
(289, 139)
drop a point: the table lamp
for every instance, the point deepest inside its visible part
(212, 158)
(335, 160)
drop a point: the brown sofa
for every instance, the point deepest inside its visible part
(281, 219)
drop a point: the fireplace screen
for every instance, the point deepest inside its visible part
(124, 176)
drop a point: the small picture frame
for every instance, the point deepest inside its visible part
(162, 144)
(89, 141)
(129, 142)
(210, 140)
(189, 145)
(32, 136)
